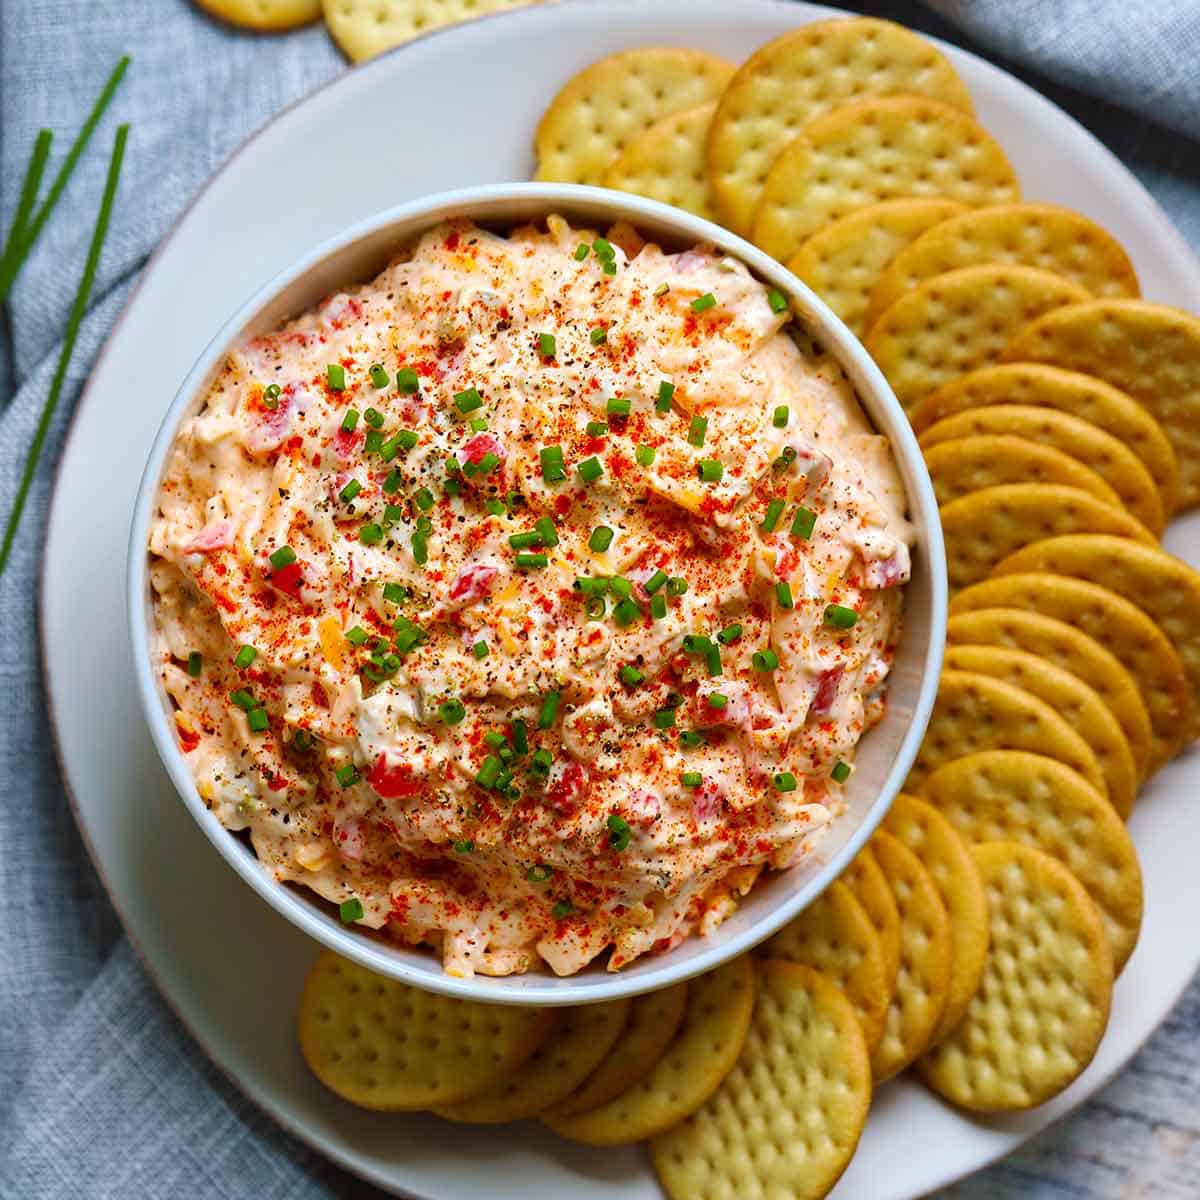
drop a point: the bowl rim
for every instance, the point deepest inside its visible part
(539, 987)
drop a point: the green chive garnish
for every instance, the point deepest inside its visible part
(598, 336)
(717, 700)
(245, 656)
(350, 910)
(780, 417)
(596, 429)
(466, 847)
(420, 548)
(590, 469)
(601, 539)
(374, 418)
(546, 531)
(379, 377)
(783, 594)
(522, 541)
(553, 468)
(520, 738)
(729, 634)
(527, 562)
(452, 711)
(840, 772)
(626, 612)
(664, 718)
(691, 779)
(777, 300)
(549, 709)
(697, 430)
(785, 781)
(373, 442)
(691, 738)
(547, 345)
(346, 775)
(840, 617)
(787, 456)
(283, 557)
(424, 499)
(666, 390)
(764, 660)
(581, 251)
(370, 534)
(676, 585)
(539, 873)
(195, 663)
(468, 401)
(631, 676)
(407, 380)
(335, 376)
(350, 491)
(803, 522)
(562, 910)
(357, 636)
(480, 649)
(619, 832)
(710, 470)
(645, 455)
(395, 593)
(704, 303)
(618, 406)
(393, 482)
(603, 248)
(595, 607)
(271, 394)
(655, 581)
(658, 607)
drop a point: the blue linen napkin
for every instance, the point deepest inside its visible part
(103, 1093)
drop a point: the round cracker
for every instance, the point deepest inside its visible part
(870, 887)
(800, 76)
(704, 1051)
(1045, 236)
(1068, 648)
(577, 1045)
(1070, 698)
(984, 527)
(365, 28)
(1139, 644)
(946, 857)
(654, 1019)
(976, 712)
(959, 466)
(1043, 1005)
(1076, 395)
(958, 322)
(787, 1120)
(874, 150)
(1149, 351)
(835, 936)
(1117, 465)
(384, 1045)
(926, 958)
(666, 163)
(842, 261)
(263, 16)
(603, 108)
(1164, 587)
(1011, 796)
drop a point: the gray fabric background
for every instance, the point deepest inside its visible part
(103, 1094)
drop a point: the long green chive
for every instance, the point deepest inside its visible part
(350, 420)
(691, 738)
(370, 534)
(780, 417)
(581, 251)
(350, 491)
(627, 612)
(655, 581)
(777, 300)
(666, 390)
(357, 636)
(522, 541)
(393, 483)
(840, 772)
(489, 772)
(717, 700)
(729, 634)
(619, 831)
(676, 585)
(764, 660)
(840, 617)
(664, 718)
(195, 664)
(374, 418)
(600, 539)
(549, 709)
(468, 401)
(420, 548)
(691, 779)
(245, 656)
(379, 377)
(658, 607)
(645, 455)
(704, 303)
(480, 649)
(452, 711)
(783, 594)
(464, 847)
(697, 430)
(547, 345)
(710, 470)
(553, 468)
(529, 562)
(631, 676)
(696, 643)
(520, 738)
(596, 429)
(618, 406)
(346, 775)
(283, 557)
(407, 380)
(785, 781)
(712, 657)
(335, 376)
(803, 523)
(590, 469)
(546, 531)
(598, 336)
(591, 587)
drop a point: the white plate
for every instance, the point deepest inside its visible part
(454, 109)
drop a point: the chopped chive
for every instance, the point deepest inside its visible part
(480, 649)
(620, 587)
(595, 607)
(346, 775)
(522, 541)
(803, 522)
(697, 430)
(710, 470)
(553, 468)
(840, 772)
(357, 636)
(777, 300)
(468, 401)
(696, 643)
(591, 587)
(581, 251)
(478, 425)
(494, 506)
(495, 739)
(452, 487)
(691, 779)
(619, 831)
(717, 700)
(590, 469)
(283, 557)
(379, 377)
(666, 390)
(271, 395)
(489, 772)
(600, 539)
(547, 345)
(785, 781)
(691, 738)
(662, 289)
(787, 456)
(626, 612)
(631, 676)
(350, 910)
(539, 873)
(335, 376)
(520, 739)
(645, 455)
(677, 585)
(603, 248)
(464, 847)
(374, 418)
(598, 336)
(783, 594)
(764, 660)
(664, 718)
(370, 534)
(390, 448)
(373, 442)
(452, 711)
(420, 548)
(549, 709)
(618, 406)
(729, 634)
(546, 531)
(596, 429)
(562, 910)
(655, 581)
(840, 617)
(395, 593)
(704, 303)
(424, 499)
(303, 741)
(658, 607)
(712, 657)
(407, 380)
(393, 482)
(195, 664)
(780, 417)
(488, 463)
(350, 491)
(245, 656)
(528, 562)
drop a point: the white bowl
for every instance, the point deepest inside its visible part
(885, 754)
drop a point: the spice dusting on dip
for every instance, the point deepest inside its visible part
(530, 600)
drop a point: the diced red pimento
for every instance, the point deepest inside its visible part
(569, 789)
(827, 687)
(473, 583)
(476, 448)
(289, 579)
(216, 535)
(394, 779)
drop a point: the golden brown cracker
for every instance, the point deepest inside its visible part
(1030, 235)
(385, 1045)
(799, 77)
(1043, 1005)
(870, 887)
(926, 958)
(787, 1119)
(842, 261)
(602, 109)
(365, 28)
(1148, 351)
(1070, 698)
(944, 854)
(1135, 640)
(704, 1051)
(1008, 795)
(263, 16)
(873, 150)
(959, 322)
(984, 527)
(1100, 452)
(835, 936)
(1068, 648)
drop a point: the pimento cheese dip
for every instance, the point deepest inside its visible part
(532, 599)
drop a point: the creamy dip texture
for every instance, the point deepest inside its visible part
(530, 600)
